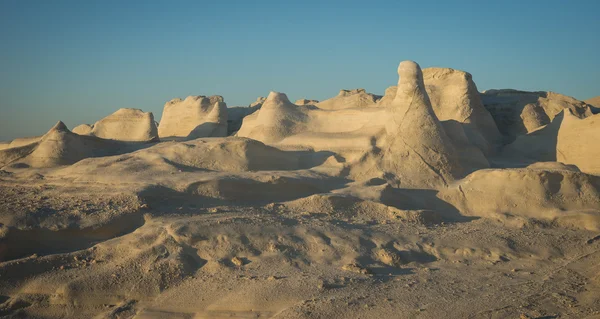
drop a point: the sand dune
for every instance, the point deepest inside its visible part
(431, 201)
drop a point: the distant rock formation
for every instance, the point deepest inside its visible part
(578, 142)
(348, 99)
(520, 112)
(306, 102)
(62, 147)
(544, 191)
(196, 116)
(595, 103)
(235, 115)
(131, 125)
(403, 140)
(454, 97)
(536, 146)
(83, 129)
(419, 152)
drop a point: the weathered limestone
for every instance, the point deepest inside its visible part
(520, 112)
(181, 118)
(419, 152)
(578, 142)
(131, 125)
(349, 99)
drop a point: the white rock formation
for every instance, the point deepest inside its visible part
(131, 125)
(454, 96)
(185, 118)
(83, 129)
(306, 102)
(521, 112)
(551, 192)
(348, 99)
(578, 142)
(404, 139)
(419, 152)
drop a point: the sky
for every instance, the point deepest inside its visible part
(79, 61)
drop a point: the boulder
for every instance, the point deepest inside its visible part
(131, 125)
(182, 117)
(578, 142)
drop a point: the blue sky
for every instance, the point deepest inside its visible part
(78, 61)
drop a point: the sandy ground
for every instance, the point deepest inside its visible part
(125, 255)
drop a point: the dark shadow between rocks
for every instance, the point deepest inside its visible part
(22, 243)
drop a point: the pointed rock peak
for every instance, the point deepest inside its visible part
(278, 98)
(411, 79)
(59, 126)
(218, 113)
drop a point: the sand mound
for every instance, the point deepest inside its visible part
(62, 147)
(131, 125)
(22, 141)
(347, 99)
(578, 142)
(194, 117)
(520, 112)
(558, 195)
(219, 154)
(345, 206)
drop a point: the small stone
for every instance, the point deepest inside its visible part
(237, 261)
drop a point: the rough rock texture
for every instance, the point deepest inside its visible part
(536, 146)
(17, 142)
(521, 112)
(235, 115)
(348, 99)
(186, 118)
(403, 140)
(560, 195)
(83, 129)
(62, 147)
(277, 119)
(419, 152)
(595, 101)
(454, 97)
(578, 142)
(132, 125)
(306, 102)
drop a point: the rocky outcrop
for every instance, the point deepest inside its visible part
(549, 192)
(578, 142)
(454, 97)
(349, 99)
(306, 102)
(83, 129)
(520, 112)
(131, 125)
(235, 115)
(419, 152)
(194, 117)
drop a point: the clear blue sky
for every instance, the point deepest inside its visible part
(78, 61)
